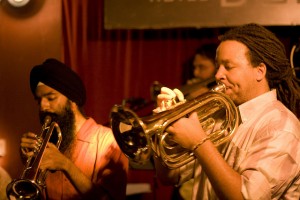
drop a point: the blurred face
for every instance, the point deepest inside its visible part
(243, 81)
(204, 68)
(53, 103)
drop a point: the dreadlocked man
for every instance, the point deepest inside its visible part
(264, 47)
(262, 159)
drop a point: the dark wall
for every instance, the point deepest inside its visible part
(27, 36)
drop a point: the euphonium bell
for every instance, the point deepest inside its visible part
(31, 183)
(139, 138)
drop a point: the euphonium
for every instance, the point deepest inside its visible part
(138, 137)
(31, 183)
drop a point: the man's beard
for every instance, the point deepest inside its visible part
(66, 121)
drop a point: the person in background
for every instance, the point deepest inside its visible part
(5, 179)
(262, 159)
(89, 163)
(198, 73)
(200, 69)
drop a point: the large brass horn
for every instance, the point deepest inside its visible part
(139, 138)
(31, 183)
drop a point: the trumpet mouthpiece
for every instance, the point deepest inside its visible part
(221, 87)
(47, 119)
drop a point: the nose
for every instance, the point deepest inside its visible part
(44, 104)
(220, 75)
(197, 71)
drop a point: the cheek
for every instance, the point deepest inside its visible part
(235, 85)
(239, 79)
(58, 108)
(205, 73)
(241, 89)
(197, 71)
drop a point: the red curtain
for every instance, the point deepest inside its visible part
(122, 64)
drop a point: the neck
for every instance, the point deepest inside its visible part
(263, 88)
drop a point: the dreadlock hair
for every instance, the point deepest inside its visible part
(265, 47)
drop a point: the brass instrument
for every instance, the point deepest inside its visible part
(189, 90)
(295, 59)
(31, 183)
(138, 137)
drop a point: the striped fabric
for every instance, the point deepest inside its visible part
(265, 150)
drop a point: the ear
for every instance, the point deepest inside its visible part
(261, 71)
(74, 106)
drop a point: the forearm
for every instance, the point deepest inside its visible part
(225, 181)
(79, 180)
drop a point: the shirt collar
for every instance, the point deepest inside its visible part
(84, 133)
(250, 108)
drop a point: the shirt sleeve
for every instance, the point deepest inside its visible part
(270, 166)
(186, 172)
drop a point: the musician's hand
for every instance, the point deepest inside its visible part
(53, 159)
(187, 132)
(29, 144)
(168, 98)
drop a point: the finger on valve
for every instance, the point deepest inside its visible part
(30, 143)
(173, 94)
(167, 99)
(179, 95)
(165, 90)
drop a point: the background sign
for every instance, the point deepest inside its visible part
(158, 14)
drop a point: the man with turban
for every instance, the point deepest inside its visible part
(262, 159)
(88, 163)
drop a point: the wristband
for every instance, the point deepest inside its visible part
(200, 143)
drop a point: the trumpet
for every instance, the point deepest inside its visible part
(140, 138)
(31, 183)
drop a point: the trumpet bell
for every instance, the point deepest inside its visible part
(24, 189)
(32, 180)
(129, 131)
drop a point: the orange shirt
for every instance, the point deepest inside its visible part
(97, 155)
